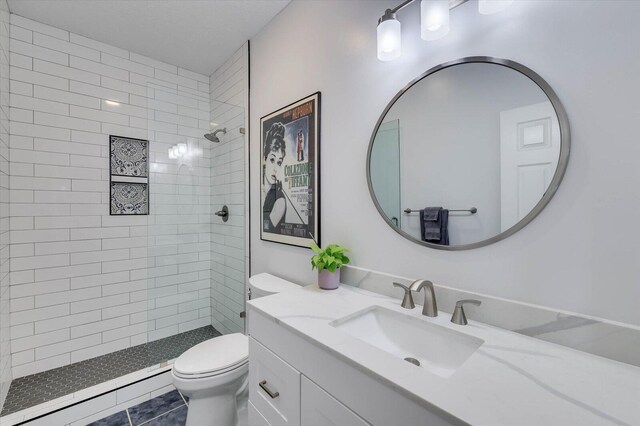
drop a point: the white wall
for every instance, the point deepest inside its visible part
(228, 252)
(450, 145)
(5, 337)
(79, 277)
(580, 254)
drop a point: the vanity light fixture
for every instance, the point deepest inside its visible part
(389, 38)
(434, 19)
(434, 22)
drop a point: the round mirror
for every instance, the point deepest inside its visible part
(468, 153)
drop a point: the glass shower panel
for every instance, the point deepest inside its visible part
(196, 260)
(179, 230)
(229, 255)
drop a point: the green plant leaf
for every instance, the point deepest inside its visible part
(330, 258)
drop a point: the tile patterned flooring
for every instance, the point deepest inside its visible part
(37, 388)
(169, 409)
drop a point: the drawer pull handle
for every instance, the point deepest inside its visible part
(272, 394)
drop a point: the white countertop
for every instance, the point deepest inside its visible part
(510, 380)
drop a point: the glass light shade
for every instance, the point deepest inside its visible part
(488, 7)
(171, 154)
(182, 148)
(434, 19)
(389, 40)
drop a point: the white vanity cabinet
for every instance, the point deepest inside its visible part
(279, 395)
(294, 382)
(318, 408)
(274, 386)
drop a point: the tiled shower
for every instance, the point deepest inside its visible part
(77, 283)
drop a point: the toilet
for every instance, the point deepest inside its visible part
(214, 373)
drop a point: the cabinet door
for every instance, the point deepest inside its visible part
(318, 408)
(255, 418)
(274, 386)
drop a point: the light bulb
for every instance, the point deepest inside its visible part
(182, 148)
(434, 19)
(389, 37)
(488, 7)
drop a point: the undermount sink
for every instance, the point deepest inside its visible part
(433, 347)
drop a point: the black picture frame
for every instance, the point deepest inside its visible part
(296, 180)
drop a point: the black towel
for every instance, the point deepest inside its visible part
(434, 223)
(444, 227)
(430, 223)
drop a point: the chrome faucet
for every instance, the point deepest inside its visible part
(458, 316)
(407, 300)
(429, 308)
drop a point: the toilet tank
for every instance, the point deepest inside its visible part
(265, 284)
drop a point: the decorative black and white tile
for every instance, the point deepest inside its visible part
(129, 157)
(129, 177)
(129, 198)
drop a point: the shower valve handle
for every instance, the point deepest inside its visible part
(224, 213)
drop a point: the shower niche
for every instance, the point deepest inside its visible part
(128, 176)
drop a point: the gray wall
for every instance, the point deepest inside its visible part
(580, 254)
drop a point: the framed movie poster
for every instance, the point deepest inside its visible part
(290, 167)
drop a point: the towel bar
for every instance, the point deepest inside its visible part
(472, 210)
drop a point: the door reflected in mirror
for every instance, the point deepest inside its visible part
(467, 154)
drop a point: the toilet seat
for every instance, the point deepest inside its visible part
(213, 357)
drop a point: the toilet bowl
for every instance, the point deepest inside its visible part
(214, 373)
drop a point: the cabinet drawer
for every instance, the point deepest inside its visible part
(255, 418)
(318, 408)
(274, 386)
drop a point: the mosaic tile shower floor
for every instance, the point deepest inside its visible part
(169, 409)
(37, 388)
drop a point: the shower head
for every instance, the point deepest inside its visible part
(213, 135)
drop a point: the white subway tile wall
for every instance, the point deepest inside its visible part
(5, 335)
(84, 283)
(229, 252)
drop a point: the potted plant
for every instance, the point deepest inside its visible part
(328, 261)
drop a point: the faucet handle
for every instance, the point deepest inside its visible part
(458, 316)
(407, 300)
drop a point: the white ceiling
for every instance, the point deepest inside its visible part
(198, 35)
